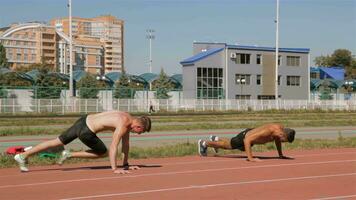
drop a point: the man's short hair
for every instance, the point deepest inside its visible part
(146, 122)
(290, 134)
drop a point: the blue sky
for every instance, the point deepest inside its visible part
(321, 25)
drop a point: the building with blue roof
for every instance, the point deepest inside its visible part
(224, 71)
(331, 80)
(336, 73)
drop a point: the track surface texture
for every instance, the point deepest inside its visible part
(312, 174)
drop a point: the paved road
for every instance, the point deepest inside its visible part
(172, 137)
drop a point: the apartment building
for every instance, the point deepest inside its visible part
(106, 30)
(223, 71)
(29, 43)
(97, 44)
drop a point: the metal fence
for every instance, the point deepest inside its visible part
(75, 105)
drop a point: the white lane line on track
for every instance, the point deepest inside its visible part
(336, 197)
(219, 159)
(225, 159)
(172, 173)
(210, 185)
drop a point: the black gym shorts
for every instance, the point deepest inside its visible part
(81, 130)
(237, 142)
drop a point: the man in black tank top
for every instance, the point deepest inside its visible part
(248, 137)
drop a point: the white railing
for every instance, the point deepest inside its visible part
(63, 106)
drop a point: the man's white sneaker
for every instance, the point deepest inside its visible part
(21, 162)
(64, 156)
(214, 138)
(203, 150)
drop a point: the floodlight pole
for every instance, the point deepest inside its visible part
(71, 88)
(150, 37)
(277, 49)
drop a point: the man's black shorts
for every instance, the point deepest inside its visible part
(81, 130)
(237, 142)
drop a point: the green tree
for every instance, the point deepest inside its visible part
(122, 87)
(325, 95)
(3, 59)
(323, 61)
(88, 87)
(341, 57)
(3, 93)
(49, 87)
(14, 79)
(162, 86)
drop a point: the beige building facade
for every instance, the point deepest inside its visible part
(106, 30)
(28, 44)
(97, 44)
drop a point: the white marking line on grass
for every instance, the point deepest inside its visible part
(210, 185)
(173, 173)
(336, 197)
(218, 159)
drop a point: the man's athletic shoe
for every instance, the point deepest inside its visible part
(22, 162)
(64, 156)
(202, 149)
(214, 138)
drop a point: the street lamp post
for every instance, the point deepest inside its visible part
(349, 87)
(241, 81)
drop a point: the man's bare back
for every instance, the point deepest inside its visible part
(108, 121)
(265, 133)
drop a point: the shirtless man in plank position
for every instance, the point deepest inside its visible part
(247, 138)
(86, 129)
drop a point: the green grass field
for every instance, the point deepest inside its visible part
(53, 124)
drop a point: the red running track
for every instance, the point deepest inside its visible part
(313, 174)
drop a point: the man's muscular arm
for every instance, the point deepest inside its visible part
(119, 132)
(248, 141)
(125, 150)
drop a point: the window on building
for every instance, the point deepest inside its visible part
(209, 83)
(258, 59)
(313, 75)
(293, 61)
(10, 57)
(243, 79)
(25, 57)
(33, 57)
(293, 80)
(279, 79)
(258, 79)
(18, 56)
(266, 97)
(279, 60)
(242, 58)
(243, 97)
(97, 60)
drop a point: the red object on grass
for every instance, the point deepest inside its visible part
(15, 150)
